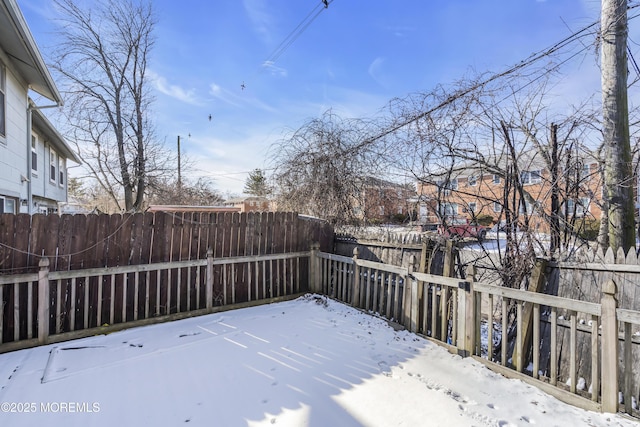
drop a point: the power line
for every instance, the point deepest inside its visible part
(522, 64)
(294, 35)
(534, 57)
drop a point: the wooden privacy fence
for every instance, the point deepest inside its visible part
(74, 242)
(65, 305)
(450, 311)
(116, 269)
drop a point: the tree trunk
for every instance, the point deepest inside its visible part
(618, 173)
(555, 193)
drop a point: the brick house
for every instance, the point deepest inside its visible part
(469, 191)
(383, 201)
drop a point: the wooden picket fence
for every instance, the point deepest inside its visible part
(99, 273)
(452, 311)
(65, 305)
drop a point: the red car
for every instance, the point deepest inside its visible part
(464, 229)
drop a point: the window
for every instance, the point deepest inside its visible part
(3, 118)
(472, 180)
(496, 179)
(530, 177)
(7, 205)
(10, 206)
(497, 207)
(525, 207)
(585, 171)
(580, 208)
(53, 163)
(61, 171)
(447, 186)
(473, 207)
(34, 155)
(448, 209)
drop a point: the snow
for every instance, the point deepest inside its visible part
(307, 362)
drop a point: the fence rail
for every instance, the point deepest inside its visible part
(453, 312)
(50, 306)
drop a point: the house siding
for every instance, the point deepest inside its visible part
(13, 162)
(14, 151)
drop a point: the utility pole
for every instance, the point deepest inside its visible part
(179, 167)
(618, 177)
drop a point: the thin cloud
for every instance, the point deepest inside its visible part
(174, 91)
(274, 70)
(224, 95)
(401, 31)
(257, 11)
(244, 100)
(375, 69)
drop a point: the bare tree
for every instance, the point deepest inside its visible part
(102, 57)
(321, 168)
(197, 193)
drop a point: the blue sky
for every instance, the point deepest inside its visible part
(353, 58)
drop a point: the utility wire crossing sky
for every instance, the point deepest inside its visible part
(233, 77)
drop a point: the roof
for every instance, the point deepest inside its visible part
(53, 137)
(381, 183)
(246, 199)
(186, 208)
(18, 43)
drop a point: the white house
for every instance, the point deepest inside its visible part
(33, 155)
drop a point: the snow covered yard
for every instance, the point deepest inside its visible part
(308, 362)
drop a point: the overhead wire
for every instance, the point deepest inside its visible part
(284, 45)
(533, 58)
(295, 33)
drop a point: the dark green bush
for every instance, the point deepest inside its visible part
(484, 219)
(587, 228)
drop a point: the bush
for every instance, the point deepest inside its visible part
(484, 219)
(587, 228)
(399, 218)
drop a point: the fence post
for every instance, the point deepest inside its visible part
(43, 300)
(209, 279)
(314, 270)
(536, 284)
(466, 314)
(356, 279)
(448, 269)
(609, 305)
(410, 301)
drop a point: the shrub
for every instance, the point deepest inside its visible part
(587, 228)
(484, 219)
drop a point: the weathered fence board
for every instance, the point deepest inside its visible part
(93, 299)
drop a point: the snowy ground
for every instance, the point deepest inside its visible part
(300, 363)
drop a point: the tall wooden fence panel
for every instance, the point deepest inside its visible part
(73, 242)
(106, 243)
